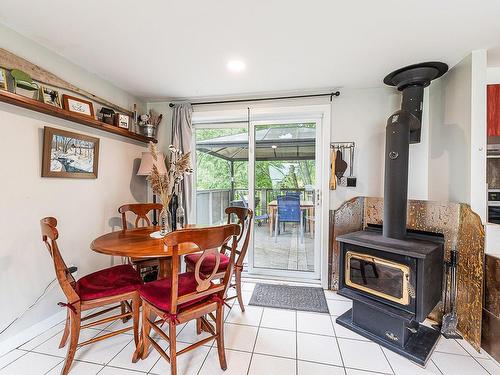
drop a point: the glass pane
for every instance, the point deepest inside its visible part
(284, 196)
(221, 172)
(378, 277)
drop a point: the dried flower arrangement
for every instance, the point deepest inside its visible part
(164, 185)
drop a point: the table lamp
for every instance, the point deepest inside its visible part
(145, 168)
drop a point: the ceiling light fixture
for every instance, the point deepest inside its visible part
(236, 66)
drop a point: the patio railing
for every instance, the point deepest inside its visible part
(210, 204)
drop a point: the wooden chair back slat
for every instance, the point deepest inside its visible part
(50, 234)
(208, 241)
(244, 221)
(141, 210)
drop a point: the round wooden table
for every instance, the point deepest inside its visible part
(136, 243)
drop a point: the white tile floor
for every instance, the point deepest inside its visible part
(261, 341)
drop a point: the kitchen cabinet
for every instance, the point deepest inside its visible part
(493, 110)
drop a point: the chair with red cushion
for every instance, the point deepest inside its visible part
(108, 286)
(243, 218)
(141, 212)
(187, 296)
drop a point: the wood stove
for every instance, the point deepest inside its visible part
(394, 285)
(394, 276)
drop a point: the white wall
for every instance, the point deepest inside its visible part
(85, 208)
(360, 115)
(457, 139)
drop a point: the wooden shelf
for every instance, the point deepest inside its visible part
(35, 105)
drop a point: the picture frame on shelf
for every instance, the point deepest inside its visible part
(3, 79)
(50, 96)
(77, 105)
(122, 121)
(69, 155)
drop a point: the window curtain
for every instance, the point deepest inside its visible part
(182, 135)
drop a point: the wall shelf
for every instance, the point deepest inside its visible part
(37, 106)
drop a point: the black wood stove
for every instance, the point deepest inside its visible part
(394, 276)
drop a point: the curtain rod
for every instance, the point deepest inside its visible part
(330, 94)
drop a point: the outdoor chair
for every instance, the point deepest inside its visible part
(288, 212)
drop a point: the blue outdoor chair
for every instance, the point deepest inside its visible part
(288, 212)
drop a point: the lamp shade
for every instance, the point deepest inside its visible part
(147, 164)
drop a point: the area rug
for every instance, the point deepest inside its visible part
(301, 298)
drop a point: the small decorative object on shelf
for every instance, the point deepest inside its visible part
(122, 121)
(3, 79)
(149, 123)
(50, 96)
(77, 105)
(24, 85)
(108, 115)
(133, 125)
(164, 185)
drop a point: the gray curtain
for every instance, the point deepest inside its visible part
(182, 135)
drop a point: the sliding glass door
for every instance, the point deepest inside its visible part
(269, 166)
(286, 226)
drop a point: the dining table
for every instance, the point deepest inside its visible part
(307, 206)
(137, 243)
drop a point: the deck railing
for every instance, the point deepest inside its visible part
(210, 204)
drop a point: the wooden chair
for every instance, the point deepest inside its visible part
(141, 210)
(117, 284)
(187, 296)
(244, 220)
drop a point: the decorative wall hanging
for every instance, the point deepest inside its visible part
(339, 153)
(69, 155)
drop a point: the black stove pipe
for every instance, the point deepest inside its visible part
(403, 128)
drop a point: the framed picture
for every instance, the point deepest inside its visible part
(122, 121)
(3, 79)
(70, 155)
(50, 96)
(77, 105)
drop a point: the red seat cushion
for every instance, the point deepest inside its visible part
(158, 292)
(108, 282)
(208, 263)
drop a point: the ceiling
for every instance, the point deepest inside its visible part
(179, 49)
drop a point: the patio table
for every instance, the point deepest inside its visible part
(137, 243)
(307, 206)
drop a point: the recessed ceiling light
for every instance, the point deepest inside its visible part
(236, 66)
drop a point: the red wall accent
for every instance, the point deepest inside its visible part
(493, 110)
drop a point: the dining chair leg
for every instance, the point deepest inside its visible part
(146, 329)
(136, 305)
(66, 331)
(198, 326)
(123, 309)
(173, 347)
(219, 330)
(237, 279)
(73, 341)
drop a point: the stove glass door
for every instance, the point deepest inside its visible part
(380, 277)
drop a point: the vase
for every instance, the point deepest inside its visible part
(180, 215)
(165, 221)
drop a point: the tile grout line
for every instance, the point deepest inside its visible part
(441, 372)
(387, 359)
(475, 359)
(338, 345)
(255, 343)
